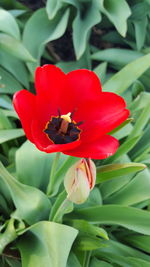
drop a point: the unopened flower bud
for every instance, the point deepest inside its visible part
(80, 180)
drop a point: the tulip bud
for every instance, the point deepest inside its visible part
(80, 180)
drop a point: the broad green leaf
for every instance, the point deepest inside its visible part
(33, 166)
(128, 75)
(6, 135)
(100, 70)
(86, 228)
(98, 263)
(137, 190)
(88, 243)
(128, 217)
(137, 88)
(87, 16)
(83, 63)
(122, 255)
(140, 10)
(15, 47)
(8, 84)
(117, 56)
(49, 30)
(111, 171)
(4, 121)
(8, 24)
(140, 32)
(141, 122)
(73, 261)
(16, 67)
(142, 145)
(139, 241)
(46, 244)
(117, 12)
(52, 7)
(31, 204)
(140, 102)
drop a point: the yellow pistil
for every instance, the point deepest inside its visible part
(66, 120)
(66, 117)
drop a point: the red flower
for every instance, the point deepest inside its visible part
(70, 113)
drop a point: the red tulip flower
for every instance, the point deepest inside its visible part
(70, 113)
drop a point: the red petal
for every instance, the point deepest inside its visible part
(43, 143)
(82, 85)
(101, 116)
(100, 127)
(49, 80)
(99, 149)
(55, 90)
(24, 104)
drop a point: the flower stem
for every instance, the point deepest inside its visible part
(53, 170)
(87, 257)
(64, 207)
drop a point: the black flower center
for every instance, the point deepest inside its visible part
(62, 129)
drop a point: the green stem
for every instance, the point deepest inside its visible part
(8, 236)
(61, 210)
(53, 170)
(87, 257)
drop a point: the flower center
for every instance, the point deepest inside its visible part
(62, 129)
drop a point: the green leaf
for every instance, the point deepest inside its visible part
(7, 135)
(128, 75)
(73, 261)
(49, 30)
(31, 204)
(87, 16)
(117, 56)
(136, 191)
(128, 217)
(52, 7)
(140, 102)
(108, 172)
(122, 255)
(15, 47)
(33, 166)
(117, 12)
(8, 24)
(98, 263)
(140, 32)
(139, 241)
(142, 145)
(16, 67)
(4, 121)
(141, 122)
(100, 70)
(8, 84)
(86, 228)
(46, 244)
